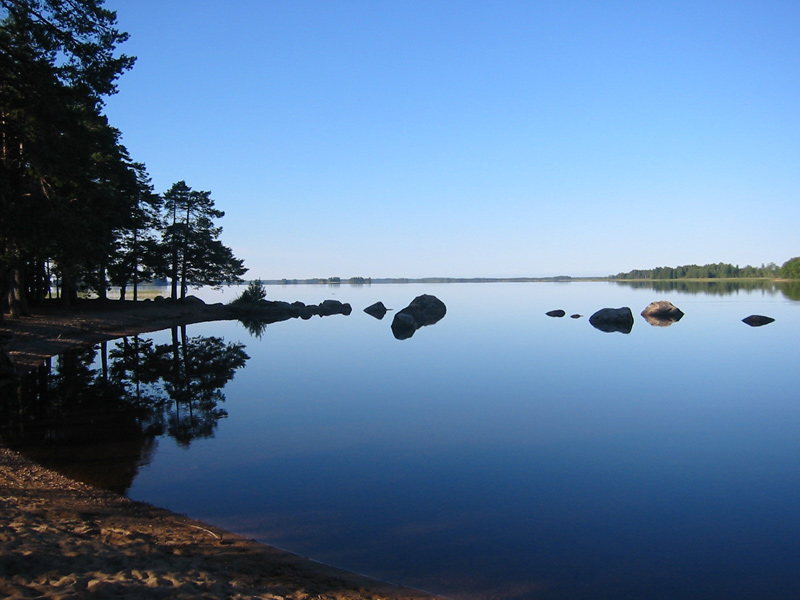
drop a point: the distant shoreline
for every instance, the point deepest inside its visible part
(428, 280)
(557, 279)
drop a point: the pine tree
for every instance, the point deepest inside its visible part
(191, 241)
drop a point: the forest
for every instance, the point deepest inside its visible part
(789, 270)
(77, 213)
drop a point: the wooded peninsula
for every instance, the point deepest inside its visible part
(789, 270)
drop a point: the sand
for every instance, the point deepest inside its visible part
(62, 539)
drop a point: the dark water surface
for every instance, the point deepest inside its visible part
(499, 453)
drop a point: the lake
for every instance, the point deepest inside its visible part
(498, 453)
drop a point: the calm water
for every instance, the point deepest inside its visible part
(499, 453)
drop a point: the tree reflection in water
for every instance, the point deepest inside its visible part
(96, 415)
(722, 287)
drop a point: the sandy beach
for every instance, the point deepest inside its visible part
(63, 539)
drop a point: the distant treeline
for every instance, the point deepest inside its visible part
(318, 280)
(371, 280)
(789, 270)
(712, 271)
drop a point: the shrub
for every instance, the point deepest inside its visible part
(254, 293)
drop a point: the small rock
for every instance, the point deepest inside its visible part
(757, 320)
(377, 310)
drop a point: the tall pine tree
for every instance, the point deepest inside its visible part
(191, 242)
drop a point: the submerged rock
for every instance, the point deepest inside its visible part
(662, 313)
(613, 320)
(555, 313)
(423, 310)
(757, 320)
(575, 316)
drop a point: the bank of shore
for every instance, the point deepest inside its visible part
(65, 540)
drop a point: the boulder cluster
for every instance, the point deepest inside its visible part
(423, 310)
(274, 310)
(661, 313)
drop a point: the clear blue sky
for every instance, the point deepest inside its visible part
(460, 138)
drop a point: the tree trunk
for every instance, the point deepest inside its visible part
(104, 361)
(183, 273)
(174, 243)
(69, 288)
(174, 281)
(3, 292)
(7, 368)
(135, 269)
(17, 304)
(102, 287)
(38, 283)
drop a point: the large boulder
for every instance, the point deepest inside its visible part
(662, 313)
(333, 307)
(613, 320)
(423, 310)
(757, 320)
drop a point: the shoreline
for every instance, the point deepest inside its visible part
(60, 538)
(64, 539)
(51, 329)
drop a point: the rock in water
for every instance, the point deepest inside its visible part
(662, 313)
(555, 313)
(333, 307)
(423, 310)
(613, 320)
(377, 310)
(757, 320)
